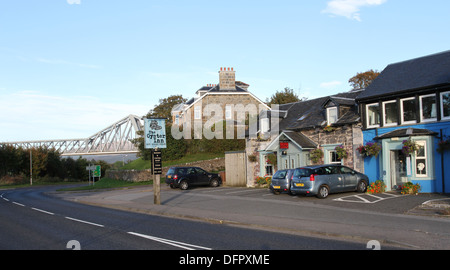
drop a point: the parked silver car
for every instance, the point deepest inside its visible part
(322, 180)
(281, 181)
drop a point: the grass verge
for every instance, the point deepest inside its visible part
(108, 183)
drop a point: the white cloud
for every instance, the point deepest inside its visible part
(71, 2)
(32, 115)
(350, 8)
(331, 84)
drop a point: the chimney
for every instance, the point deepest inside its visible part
(227, 79)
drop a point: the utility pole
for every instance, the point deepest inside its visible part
(31, 168)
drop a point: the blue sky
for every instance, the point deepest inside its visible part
(69, 68)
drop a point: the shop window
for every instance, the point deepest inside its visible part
(390, 113)
(428, 108)
(445, 105)
(421, 159)
(408, 110)
(373, 115)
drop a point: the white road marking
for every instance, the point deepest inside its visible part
(16, 203)
(361, 199)
(170, 242)
(86, 222)
(43, 211)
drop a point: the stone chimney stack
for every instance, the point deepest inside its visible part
(227, 79)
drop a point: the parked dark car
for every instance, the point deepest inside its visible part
(281, 181)
(184, 177)
(322, 180)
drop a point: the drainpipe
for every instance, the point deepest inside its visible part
(442, 165)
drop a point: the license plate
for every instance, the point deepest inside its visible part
(169, 176)
(276, 187)
(299, 184)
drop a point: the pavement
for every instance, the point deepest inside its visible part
(409, 221)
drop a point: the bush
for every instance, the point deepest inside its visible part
(410, 188)
(377, 187)
(263, 180)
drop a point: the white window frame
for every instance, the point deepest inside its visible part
(228, 112)
(328, 115)
(197, 112)
(443, 117)
(264, 125)
(367, 115)
(384, 114)
(330, 157)
(424, 157)
(402, 121)
(421, 110)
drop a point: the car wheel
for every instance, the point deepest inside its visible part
(214, 183)
(184, 185)
(362, 186)
(323, 192)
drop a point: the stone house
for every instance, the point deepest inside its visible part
(229, 100)
(322, 123)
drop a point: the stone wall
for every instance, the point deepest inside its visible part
(217, 164)
(350, 136)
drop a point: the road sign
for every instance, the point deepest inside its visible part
(97, 172)
(157, 162)
(95, 169)
(155, 133)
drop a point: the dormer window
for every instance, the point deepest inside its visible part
(332, 115)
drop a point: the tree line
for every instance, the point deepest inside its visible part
(46, 165)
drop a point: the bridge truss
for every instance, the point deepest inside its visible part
(115, 139)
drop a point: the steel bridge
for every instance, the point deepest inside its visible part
(115, 139)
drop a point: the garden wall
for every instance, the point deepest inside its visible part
(217, 164)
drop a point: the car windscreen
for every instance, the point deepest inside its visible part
(279, 175)
(171, 171)
(302, 172)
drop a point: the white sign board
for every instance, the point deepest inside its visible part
(155, 133)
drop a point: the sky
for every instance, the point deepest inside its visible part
(70, 68)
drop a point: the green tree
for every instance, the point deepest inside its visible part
(164, 108)
(283, 97)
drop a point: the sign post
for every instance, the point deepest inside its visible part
(94, 171)
(155, 139)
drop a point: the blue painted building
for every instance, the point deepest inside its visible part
(409, 101)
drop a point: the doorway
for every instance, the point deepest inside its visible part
(398, 174)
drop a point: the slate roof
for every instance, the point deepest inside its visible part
(312, 113)
(406, 132)
(300, 139)
(409, 76)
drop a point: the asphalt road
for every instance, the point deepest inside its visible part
(30, 219)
